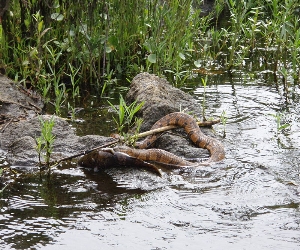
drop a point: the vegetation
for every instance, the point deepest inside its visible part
(45, 141)
(279, 124)
(127, 120)
(56, 44)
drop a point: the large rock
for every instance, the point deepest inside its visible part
(20, 111)
(160, 98)
(18, 137)
(19, 140)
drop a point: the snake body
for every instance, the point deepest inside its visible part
(155, 155)
(108, 157)
(216, 149)
(138, 157)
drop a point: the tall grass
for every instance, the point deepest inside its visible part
(49, 43)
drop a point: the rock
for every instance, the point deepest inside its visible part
(23, 152)
(19, 137)
(19, 140)
(18, 102)
(159, 97)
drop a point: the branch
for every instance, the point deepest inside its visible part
(86, 152)
(162, 129)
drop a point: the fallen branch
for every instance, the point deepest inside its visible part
(85, 152)
(166, 128)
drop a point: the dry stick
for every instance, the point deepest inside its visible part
(85, 152)
(162, 129)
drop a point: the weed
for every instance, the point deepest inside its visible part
(45, 141)
(224, 118)
(279, 126)
(126, 119)
(204, 83)
(41, 43)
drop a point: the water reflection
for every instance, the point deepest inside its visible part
(250, 201)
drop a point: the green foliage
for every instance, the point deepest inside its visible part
(224, 119)
(126, 119)
(204, 83)
(279, 125)
(45, 140)
(44, 43)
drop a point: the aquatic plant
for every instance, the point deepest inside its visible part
(43, 43)
(204, 83)
(45, 141)
(126, 119)
(279, 125)
(224, 119)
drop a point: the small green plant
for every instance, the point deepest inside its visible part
(74, 82)
(126, 119)
(279, 125)
(1, 173)
(45, 141)
(224, 118)
(108, 81)
(204, 83)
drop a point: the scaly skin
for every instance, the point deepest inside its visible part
(216, 149)
(126, 156)
(155, 155)
(107, 158)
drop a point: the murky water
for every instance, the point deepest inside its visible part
(249, 201)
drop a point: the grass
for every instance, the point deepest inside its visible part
(45, 141)
(50, 45)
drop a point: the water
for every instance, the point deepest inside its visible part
(249, 201)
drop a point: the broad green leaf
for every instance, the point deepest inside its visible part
(57, 16)
(283, 126)
(182, 56)
(40, 26)
(152, 58)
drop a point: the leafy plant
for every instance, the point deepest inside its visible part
(224, 118)
(45, 141)
(204, 83)
(126, 118)
(279, 125)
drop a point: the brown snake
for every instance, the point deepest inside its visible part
(123, 155)
(216, 148)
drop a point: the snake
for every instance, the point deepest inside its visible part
(186, 121)
(141, 156)
(107, 157)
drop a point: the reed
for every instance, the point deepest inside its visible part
(108, 39)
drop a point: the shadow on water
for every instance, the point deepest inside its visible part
(249, 201)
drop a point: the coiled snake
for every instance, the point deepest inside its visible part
(102, 158)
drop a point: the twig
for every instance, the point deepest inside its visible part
(162, 129)
(5, 126)
(86, 152)
(150, 132)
